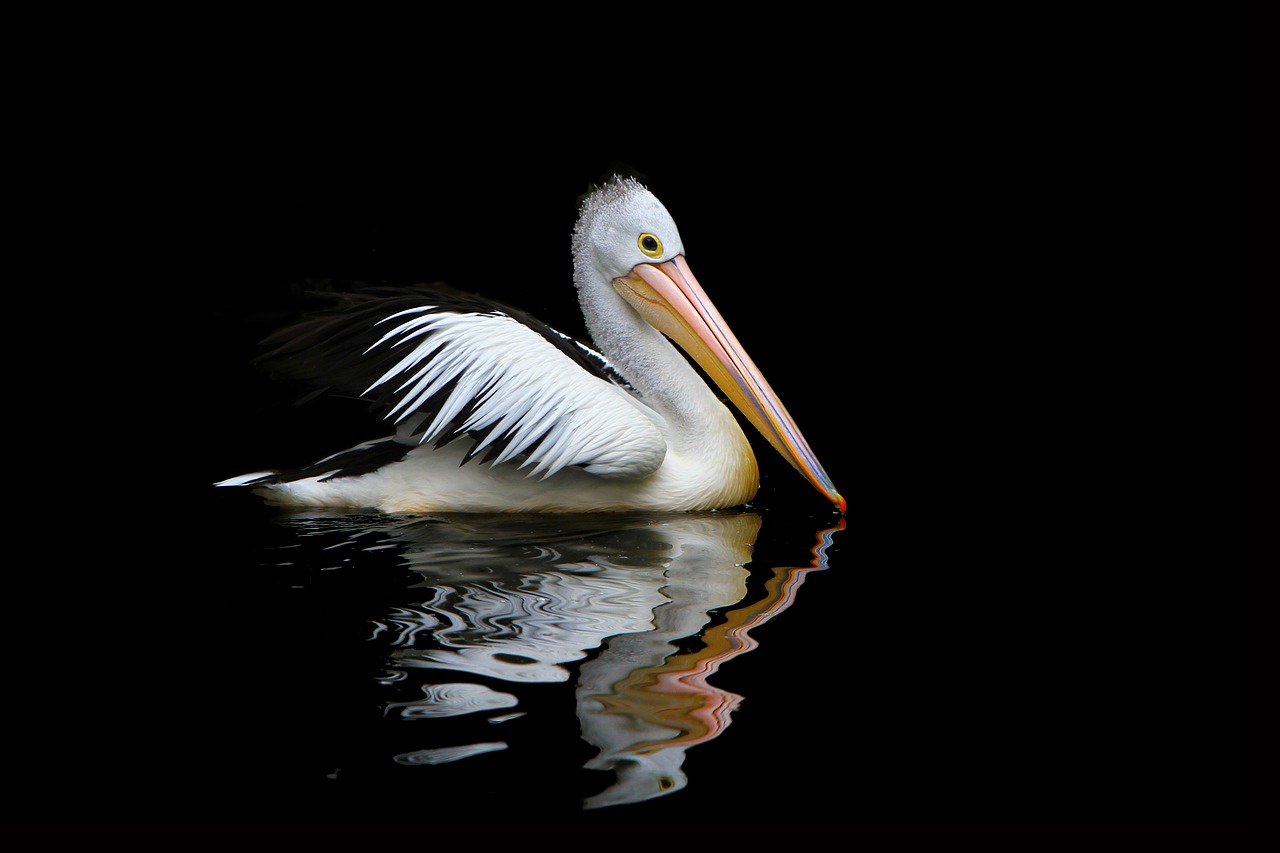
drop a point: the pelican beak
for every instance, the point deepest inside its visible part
(671, 300)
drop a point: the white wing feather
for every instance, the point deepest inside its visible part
(522, 389)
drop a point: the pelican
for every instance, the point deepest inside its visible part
(494, 411)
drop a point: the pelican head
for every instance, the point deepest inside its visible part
(627, 248)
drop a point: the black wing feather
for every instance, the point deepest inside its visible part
(330, 349)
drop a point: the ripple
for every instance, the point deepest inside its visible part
(445, 754)
(524, 629)
(451, 700)
(641, 613)
(506, 718)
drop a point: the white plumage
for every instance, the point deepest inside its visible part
(521, 387)
(494, 411)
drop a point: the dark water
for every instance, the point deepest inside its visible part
(537, 667)
(735, 667)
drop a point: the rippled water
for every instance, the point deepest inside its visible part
(630, 619)
(762, 666)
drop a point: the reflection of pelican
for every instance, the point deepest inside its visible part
(644, 718)
(517, 599)
(565, 428)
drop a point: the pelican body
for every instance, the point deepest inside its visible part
(496, 412)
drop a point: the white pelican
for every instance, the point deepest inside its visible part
(496, 412)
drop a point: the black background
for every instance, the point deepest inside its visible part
(950, 282)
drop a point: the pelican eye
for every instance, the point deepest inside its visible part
(650, 245)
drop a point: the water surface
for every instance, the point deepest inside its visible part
(507, 624)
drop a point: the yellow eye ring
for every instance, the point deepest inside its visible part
(650, 245)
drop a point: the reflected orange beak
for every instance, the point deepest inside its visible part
(671, 300)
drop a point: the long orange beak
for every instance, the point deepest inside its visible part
(671, 300)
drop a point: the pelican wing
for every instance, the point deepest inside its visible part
(442, 365)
